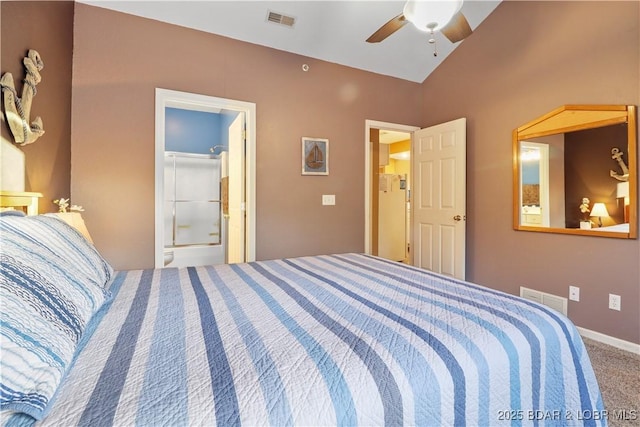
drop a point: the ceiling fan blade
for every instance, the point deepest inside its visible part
(387, 29)
(457, 29)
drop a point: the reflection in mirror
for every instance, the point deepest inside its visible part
(575, 172)
(534, 182)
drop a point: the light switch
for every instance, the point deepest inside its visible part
(328, 199)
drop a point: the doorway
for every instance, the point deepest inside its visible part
(534, 184)
(236, 158)
(387, 189)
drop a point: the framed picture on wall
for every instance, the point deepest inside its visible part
(315, 156)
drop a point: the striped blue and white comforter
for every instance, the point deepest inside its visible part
(327, 340)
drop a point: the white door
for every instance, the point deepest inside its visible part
(439, 198)
(237, 196)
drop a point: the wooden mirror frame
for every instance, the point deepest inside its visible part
(570, 118)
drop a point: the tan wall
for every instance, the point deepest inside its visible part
(526, 59)
(48, 28)
(120, 59)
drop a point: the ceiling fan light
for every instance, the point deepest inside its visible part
(426, 15)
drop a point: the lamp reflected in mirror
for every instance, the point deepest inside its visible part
(599, 210)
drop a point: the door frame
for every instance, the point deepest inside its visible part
(368, 125)
(197, 102)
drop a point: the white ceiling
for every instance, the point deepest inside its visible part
(392, 136)
(330, 30)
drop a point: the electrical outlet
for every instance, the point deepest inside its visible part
(574, 293)
(614, 302)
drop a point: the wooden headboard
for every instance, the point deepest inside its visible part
(27, 201)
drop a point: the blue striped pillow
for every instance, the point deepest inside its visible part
(52, 281)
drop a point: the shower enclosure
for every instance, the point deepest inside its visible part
(193, 220)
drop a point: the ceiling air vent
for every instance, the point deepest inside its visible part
(278, 18)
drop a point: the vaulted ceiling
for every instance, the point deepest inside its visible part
(333, 31)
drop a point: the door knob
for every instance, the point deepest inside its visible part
(457, 218)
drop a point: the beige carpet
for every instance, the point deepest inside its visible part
(618, 374)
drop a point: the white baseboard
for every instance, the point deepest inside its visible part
(612, 341)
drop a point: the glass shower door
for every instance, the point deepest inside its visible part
(192, 191)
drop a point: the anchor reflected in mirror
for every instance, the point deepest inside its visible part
(617, 155)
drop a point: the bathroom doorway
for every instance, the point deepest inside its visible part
(201, 142)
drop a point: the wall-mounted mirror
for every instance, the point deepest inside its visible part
(575, 172)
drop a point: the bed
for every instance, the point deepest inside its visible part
(618, 228)
(341, 339)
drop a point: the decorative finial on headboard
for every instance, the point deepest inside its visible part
(17, 110)
(616, 155)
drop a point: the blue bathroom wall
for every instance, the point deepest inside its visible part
(190, 131)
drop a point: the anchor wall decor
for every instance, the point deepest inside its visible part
(18, 109)
(616, 155)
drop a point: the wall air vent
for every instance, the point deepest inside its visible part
(550, 300)
(278, 18)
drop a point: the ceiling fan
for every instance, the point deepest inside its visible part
(428, 16)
